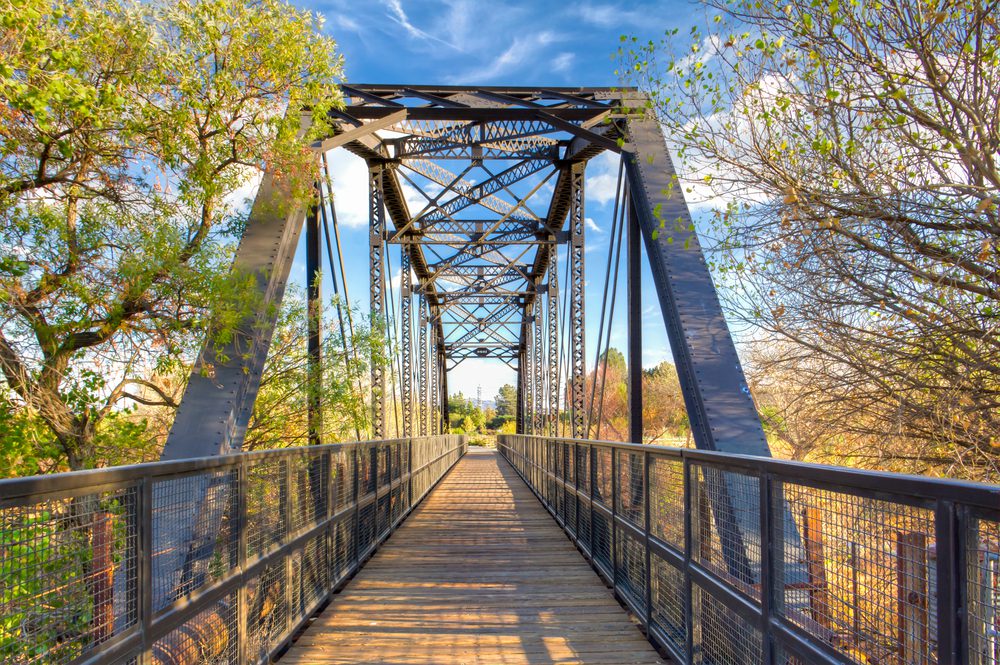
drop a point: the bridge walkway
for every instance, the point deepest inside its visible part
(478, 574)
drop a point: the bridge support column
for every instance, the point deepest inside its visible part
(422, 366)
(577, 364)
(314, 313)
(376, 236)
(552, 302)
(537, 369)
(634, 328)
(443, 387)
(405, 334)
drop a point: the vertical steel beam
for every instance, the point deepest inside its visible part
(422, 366)
(405, 333)
(519, 412)
(433, 402)
(376, 237)
(577, 364)
(634, 329)
(537, 369)
(443, 383)
(314, 313)
(219, 397)
(552, 299)
(707, 364)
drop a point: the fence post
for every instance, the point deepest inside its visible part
(145, 581)
(767, 557)
(951, 584)
(646, 461)
(242, 600)
(614, 519)
(688, 591)
(289, 583)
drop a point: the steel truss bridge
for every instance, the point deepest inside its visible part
(721, 555)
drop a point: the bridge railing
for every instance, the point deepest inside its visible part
(729, 560)
(211, 560)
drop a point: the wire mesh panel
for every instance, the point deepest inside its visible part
(726, 534)
(721, 636)
(668, 613)
(67, 575)
(584, 528)
(267, 610)
(867, 574)
(189, 554)
(230, 555)
(266, 492)
(630, 572)
(631, 496)
(308, 491)
(983, 590)
(210, 637)
(666, 500)
(732, 560)
(310, 577)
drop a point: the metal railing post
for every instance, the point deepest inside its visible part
(951, 584)
(287, 505)
(242, 645)
(145, 572)
(614, 519)
(646, 532)
(767, 588)
(688, 590)
(357, 507)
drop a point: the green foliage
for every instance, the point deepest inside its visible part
(280, 415)
(849, 150)
(127, 132)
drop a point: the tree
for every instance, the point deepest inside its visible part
(281, 411)
(663, 411)
(128, 129)
(854, 149)
(506, 401)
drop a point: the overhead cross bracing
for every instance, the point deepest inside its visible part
(478, 184)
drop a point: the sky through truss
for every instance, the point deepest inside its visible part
(479, 42)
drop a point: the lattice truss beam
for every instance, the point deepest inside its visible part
(476, 187)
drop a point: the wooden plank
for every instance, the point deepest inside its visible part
(479, 573)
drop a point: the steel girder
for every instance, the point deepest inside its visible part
(405, 333)
(422, 388)
(552, 327)
(376, 236)
(577, 363)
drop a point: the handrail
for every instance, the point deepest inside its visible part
(734, 559)
(92, 569)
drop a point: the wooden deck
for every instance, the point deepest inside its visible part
(479, 573)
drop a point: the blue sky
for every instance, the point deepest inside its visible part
(477, 42)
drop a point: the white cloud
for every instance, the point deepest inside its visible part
(614, 16)
(397, 14)
(602, 178)
(562, 62)
(592, 225)
(522, 50)
(350, 187)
